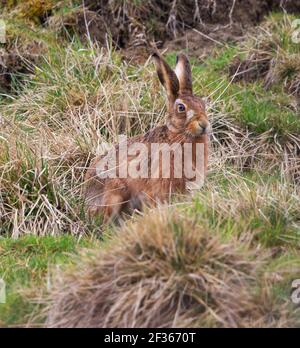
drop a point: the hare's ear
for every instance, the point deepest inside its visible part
(184, 73)
(167, 77)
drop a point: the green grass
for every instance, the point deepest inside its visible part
(61, 114)
(251, 104)
(263, 207)
(254, 207)
(24, 265)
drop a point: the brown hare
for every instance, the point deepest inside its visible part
(186, 123)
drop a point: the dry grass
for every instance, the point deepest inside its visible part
(258, 207)
(270, 54)
(241, 148)
(82, 98)
(165, 271)
(268, 58)
(164, 268)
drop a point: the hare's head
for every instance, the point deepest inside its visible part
(186, 112)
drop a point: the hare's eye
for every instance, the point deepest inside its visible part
(180, 108)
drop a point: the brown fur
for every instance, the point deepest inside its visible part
(110, 197)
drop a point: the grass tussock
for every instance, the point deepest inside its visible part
(255, 108)
(265, 210)
(165, 271)
(270, 53)
(19, 55)
(78, 99)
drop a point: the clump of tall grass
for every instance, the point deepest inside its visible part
(258, 113)
(165, 270)
(78, 99)
(270, 53)
(261, 208)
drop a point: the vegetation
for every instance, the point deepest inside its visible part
(162, 264)
(26, 264)
(224, 257)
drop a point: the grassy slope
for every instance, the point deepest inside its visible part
(25, 264)
(252, 105)
(261, 208)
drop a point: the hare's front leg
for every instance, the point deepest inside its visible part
(113, 203)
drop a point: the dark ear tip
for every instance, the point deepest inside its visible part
(155, 55)
(180, 56)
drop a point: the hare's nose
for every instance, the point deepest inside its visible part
(205, 127)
